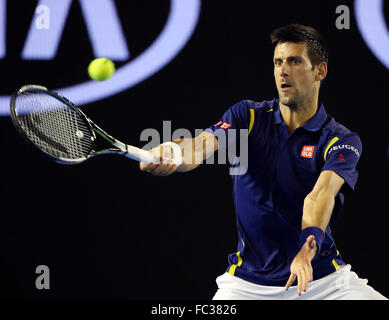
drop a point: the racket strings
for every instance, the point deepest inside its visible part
(54, 126)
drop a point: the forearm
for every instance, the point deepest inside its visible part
(195, 151)
(317, 210)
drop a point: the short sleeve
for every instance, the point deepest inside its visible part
(342, 156)
(227, 129)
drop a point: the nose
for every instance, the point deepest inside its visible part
(284, 70)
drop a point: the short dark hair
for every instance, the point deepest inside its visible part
(317, 47)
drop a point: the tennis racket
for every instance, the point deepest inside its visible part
(59, 129)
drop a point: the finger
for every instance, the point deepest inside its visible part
(167, 152)
(309, 239)
(310, 272)
(159, 170)
(167, 160)
(313, 244)
(173, 169)
(147, 166)
(290, 281)
(162, 170)
(304, 280)
(164, 152)
(299, 283)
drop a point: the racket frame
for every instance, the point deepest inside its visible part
(120, 147)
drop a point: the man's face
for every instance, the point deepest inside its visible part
(295, 78)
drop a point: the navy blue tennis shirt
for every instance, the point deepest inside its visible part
(282, 169)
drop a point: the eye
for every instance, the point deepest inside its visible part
(277, 63)
(296, 61)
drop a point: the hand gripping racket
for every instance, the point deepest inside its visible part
(63, 132)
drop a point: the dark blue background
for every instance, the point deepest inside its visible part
(107, 230)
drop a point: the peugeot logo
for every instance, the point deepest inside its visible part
(41, 44)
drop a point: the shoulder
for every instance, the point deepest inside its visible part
(259, 110)
(262, 106)
(337, 131)
(247, 109)
(338, 137)
(260, 113)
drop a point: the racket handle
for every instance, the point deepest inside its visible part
(140, 155)
(147, 157)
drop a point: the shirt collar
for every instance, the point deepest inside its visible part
(313, 124)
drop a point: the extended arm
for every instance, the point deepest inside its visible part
(194, 152)
(317, 210)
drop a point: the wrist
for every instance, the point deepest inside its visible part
(316, 232)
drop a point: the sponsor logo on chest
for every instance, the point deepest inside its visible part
(307, 152)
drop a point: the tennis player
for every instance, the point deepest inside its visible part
(300, 163)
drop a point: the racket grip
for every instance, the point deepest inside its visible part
(147, 157)
(140, 155)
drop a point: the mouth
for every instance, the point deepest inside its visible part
(285, 86)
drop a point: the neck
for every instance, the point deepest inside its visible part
(296, 117)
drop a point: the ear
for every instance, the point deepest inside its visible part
(321, 71)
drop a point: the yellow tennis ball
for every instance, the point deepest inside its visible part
(101, 69)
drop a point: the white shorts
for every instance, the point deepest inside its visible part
(342, 284)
